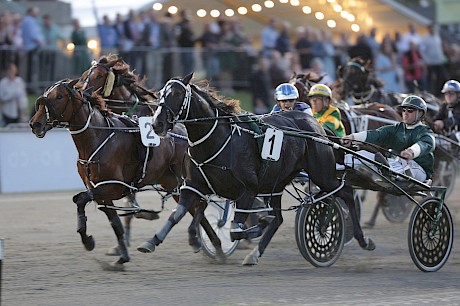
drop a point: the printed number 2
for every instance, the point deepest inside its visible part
(148, 126)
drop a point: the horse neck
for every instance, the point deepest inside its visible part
(201, 109)
(86, 138)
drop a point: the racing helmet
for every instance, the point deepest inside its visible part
(414, 102)
(451, 86)
(320, 90)
(286, 91)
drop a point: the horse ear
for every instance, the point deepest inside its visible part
(340, 71)
(293, 75)
(73, 82)
(186, 80)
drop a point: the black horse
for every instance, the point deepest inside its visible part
(224, 159)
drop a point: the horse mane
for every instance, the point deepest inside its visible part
(226, 105)
(308, 76)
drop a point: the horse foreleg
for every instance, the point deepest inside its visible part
(81, 199)
(187, 199)
(117, 227)
(253, 257)
(347, 195)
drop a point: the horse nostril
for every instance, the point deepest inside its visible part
(35, 125)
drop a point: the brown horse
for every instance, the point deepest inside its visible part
(112, 161)
(115, 88)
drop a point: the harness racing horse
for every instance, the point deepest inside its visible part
(115, 88)
(112, 161)
(224, 159)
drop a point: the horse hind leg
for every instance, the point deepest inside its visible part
(253, 257)
(187, 199)
(117, 227)
(346, 193)
(81, 199)
(197, 211)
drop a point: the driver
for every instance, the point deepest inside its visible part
(411, 139)
(286, 96)
(328, 116)
(447, 120)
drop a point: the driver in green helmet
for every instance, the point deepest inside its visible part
(412, 140)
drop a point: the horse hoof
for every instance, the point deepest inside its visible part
(252, 258)
(220, 257)
(146, 247)
(368, 245)
(113, 251)
(195, 243)
(147, 215)
(369, 225)
(89, 243)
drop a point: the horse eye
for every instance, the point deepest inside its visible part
(58, 96)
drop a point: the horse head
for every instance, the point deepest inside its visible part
(355, 77)
(174, 104)
(303, 82)
(53, 107)
(111, 79)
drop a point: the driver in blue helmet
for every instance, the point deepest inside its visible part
(286, 96)
(412, 140)
(447, 120)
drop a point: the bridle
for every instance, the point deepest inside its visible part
(53, 118)
(185, 106)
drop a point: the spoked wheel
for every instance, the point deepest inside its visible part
(320, 232)
(429, 244)
(445, 175)
(396, 208)
(220, 215)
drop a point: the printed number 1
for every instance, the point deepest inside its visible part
(272, 141)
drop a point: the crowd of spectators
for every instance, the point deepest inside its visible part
(160, 47)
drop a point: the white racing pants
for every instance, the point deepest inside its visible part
(400, 165)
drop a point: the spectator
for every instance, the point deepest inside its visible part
(434, 58)
(13, 97)
(268, 37)
(107, 35)
(414, 68)
(385, 67)
(318, 68)
(152, 37)
(168, 44)
(328, 54)
(261, 86)
(283, 42)
(372, 41)
(186, 41)
(33, 39)
(81, 56)
(210, 40)
(341, 47)
(303, 47)
(361, 49)
(53, 36)
(410, 36)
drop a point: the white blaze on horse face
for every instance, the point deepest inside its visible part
(164, 92)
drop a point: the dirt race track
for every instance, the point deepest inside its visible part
(46, 264)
